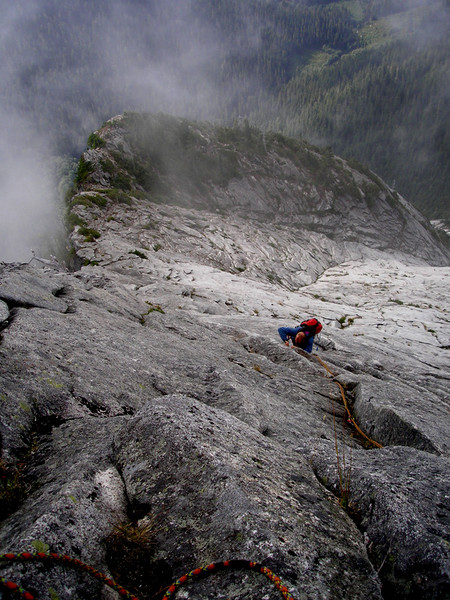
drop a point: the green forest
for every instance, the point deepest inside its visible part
(368, 78)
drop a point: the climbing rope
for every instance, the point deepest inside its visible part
(347, 409)
(123, 593)
(13, 587)
(234, 564)
(59, 558)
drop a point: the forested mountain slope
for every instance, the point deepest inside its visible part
(385, 101)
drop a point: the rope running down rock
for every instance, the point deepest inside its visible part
(66, 560)
(344, 400)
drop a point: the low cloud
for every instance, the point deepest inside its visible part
(63, 71)
(29, 213)
(427, 25)
(68, 66)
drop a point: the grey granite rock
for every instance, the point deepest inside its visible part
(116, 359)
(4, 312)
(27, 286)
(93, 394)
(400, 499)
(152, 421)
(76, 497)
(413, 424)
(224, 491)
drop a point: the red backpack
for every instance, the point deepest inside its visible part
(312, 325)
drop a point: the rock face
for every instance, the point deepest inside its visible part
(152, 421)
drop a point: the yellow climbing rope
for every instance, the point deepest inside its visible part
(344, 400)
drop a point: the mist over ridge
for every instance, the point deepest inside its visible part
(68, 66)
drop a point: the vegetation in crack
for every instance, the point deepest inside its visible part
(15, 482)
(131, 558)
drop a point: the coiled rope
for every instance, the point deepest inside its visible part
(347, 409)
(123, 593)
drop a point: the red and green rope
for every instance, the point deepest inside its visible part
(123, 593)
(13, 587)
(66, 560)
(230, 564)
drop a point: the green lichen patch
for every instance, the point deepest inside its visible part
(85, 168)
(73, 220)
(138, 253)
(40, 546)
(95, 141)
(118, 195)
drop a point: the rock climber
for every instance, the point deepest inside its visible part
(301, 336)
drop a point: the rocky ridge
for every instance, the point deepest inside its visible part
(152, 422)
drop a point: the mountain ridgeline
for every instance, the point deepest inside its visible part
(340, 207)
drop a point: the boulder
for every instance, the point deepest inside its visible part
(399, 498)
(220, 490)
(27, 286)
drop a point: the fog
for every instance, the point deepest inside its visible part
(68, 65)
(27, 210)
(427, 27)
